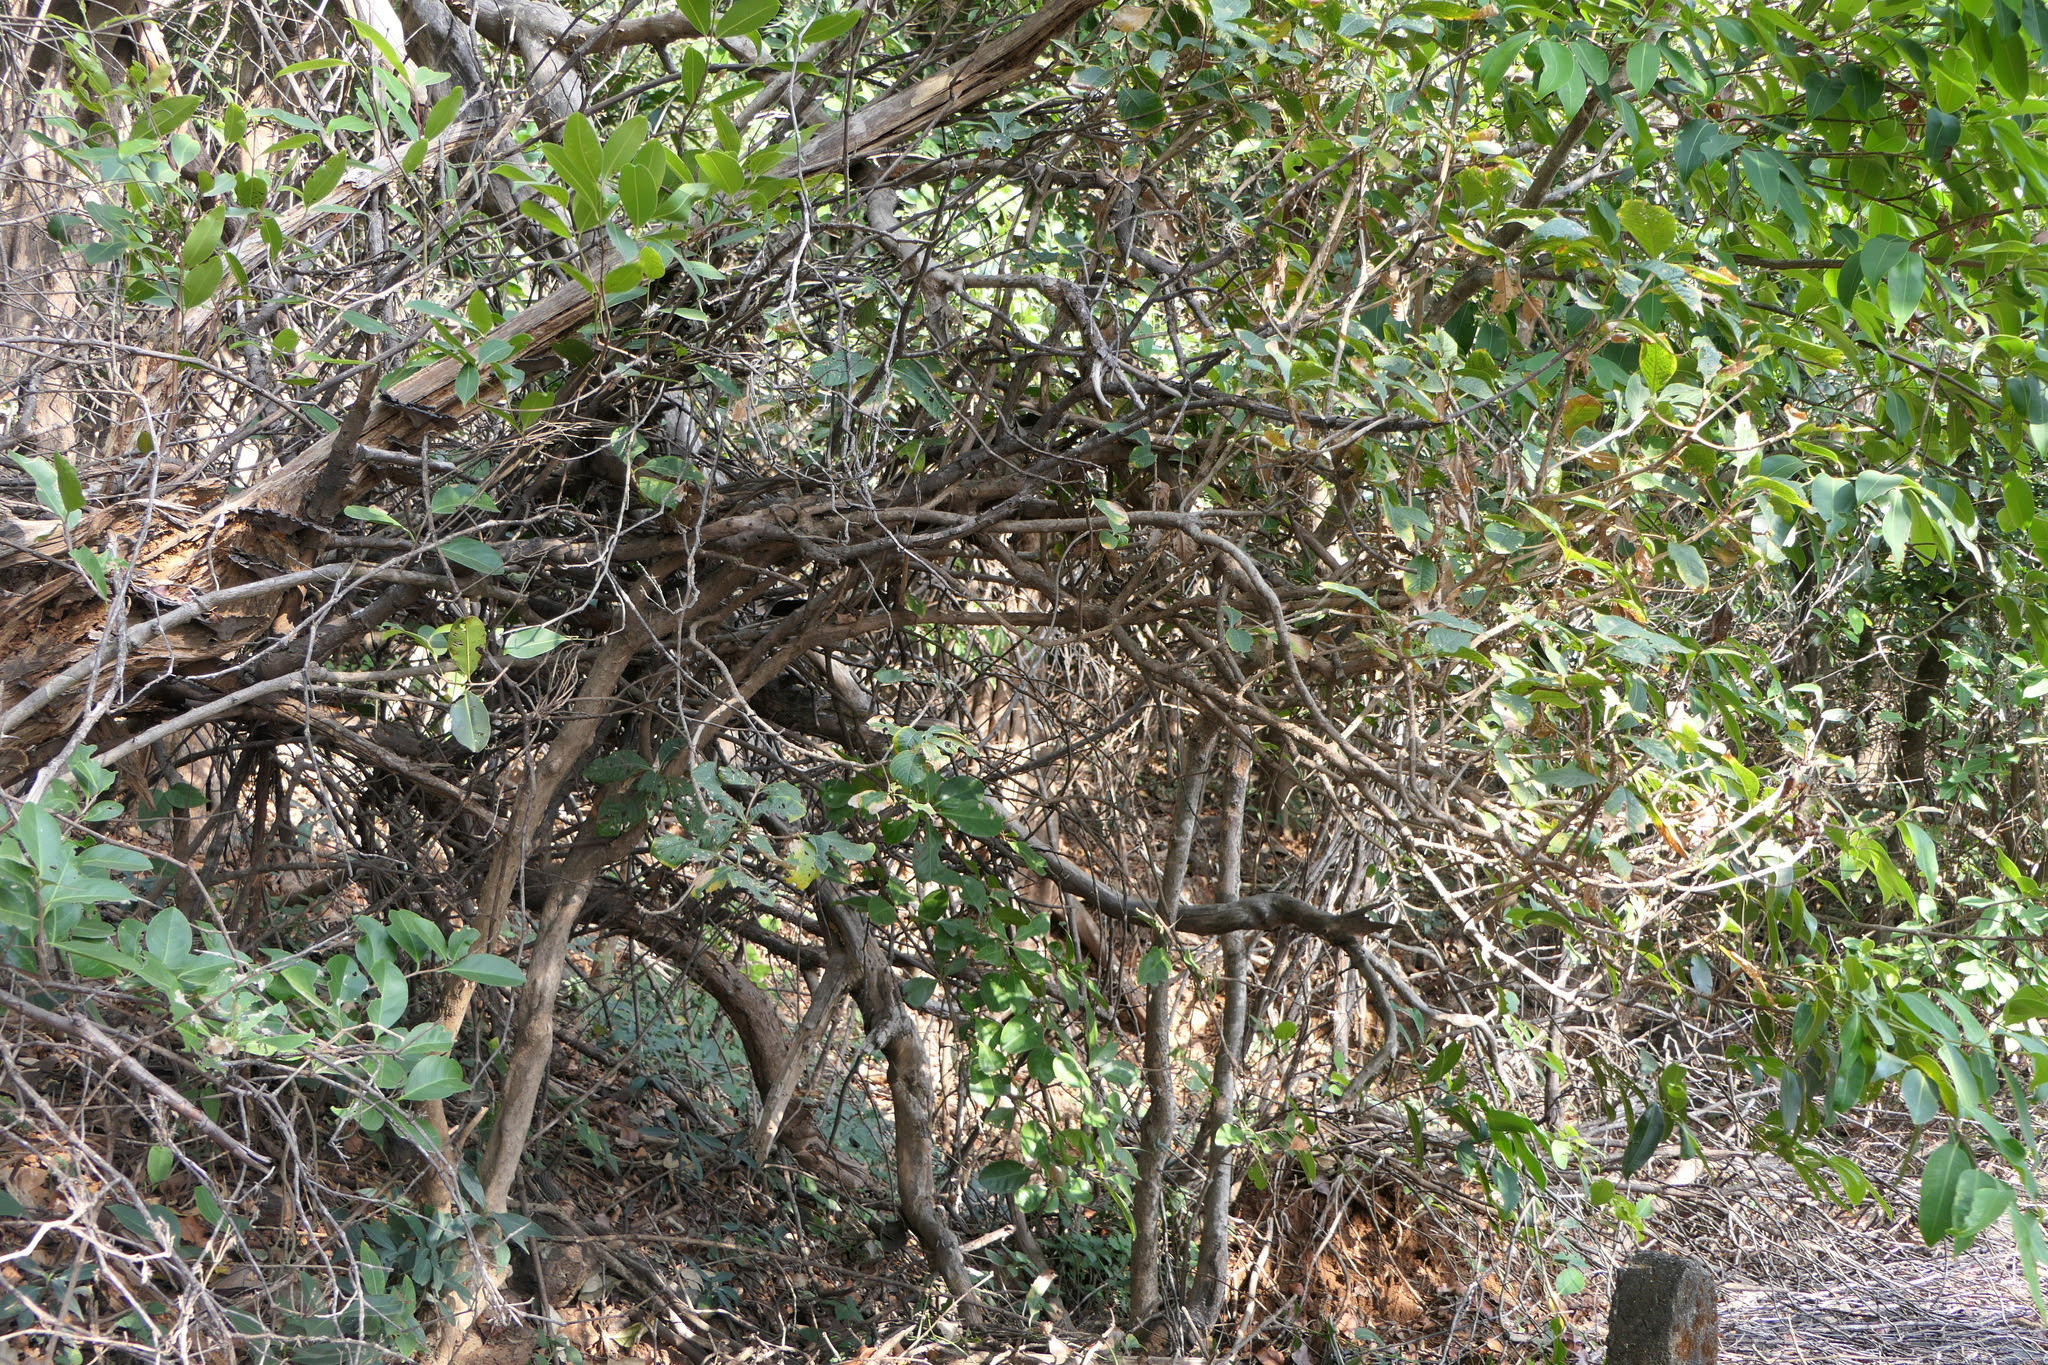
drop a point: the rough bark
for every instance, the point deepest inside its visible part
(1212, 1256)
(1155, 1130)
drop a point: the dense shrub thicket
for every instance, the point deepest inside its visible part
(1022, 616)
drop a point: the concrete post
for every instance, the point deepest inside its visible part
(1662, 1313)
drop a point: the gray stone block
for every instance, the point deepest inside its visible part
(1662, 1313)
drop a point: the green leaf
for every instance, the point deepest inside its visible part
(1411, 525)
(488, 969)
(2011, 69)
(473, 554)
(829, 26)
(183, 796)
(1701, 143)
(469, 722)
(530, 642)
(721, 171)
(453, 497)
(322, 181)
(443, 113)
(546, 217)
(155, 1225)
(639, 194)
(1874, 260)
(1653, 225)
(49, 489)
(1925, 856)
(167, 116)
(1897, 527)
(1655, 363)
(1944, 131)
(698, 12)
(375, 515)
(1692, 569)
(2033, 1249)
(466, 640)
(1863, 88)
(971, 815)
(615, 767)
(2029, 399)
(842, 368)
(201, 281)
(393, 994)
(2018, 494)
(70, 491)
(1592, 61)
(382, 44)
(1645, 62)
(168, 937)
(1643, 1139)
(620, 279)
(434, 1078)
(1833, 499)
(1962, 1081)
(1557, 66)
(1004, 1177)
(1140, 105)
(1493, 67)
(584, 154)
(747, 16)
(1068, 1071)
(418, 935)
(204, 238)
(2028, 1002)
(1923, 1101)
(162, 1161)
(1154, 967)
(1938, 1181)
(1981, 1200)
(1905, 283)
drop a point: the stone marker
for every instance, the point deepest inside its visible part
(1662, 1313)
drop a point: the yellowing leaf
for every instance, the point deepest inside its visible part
(1579, 410)
(802, 866)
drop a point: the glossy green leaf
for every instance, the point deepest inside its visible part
(1939, 1179)
(488, 969)
(469, 722)
(322, 182)
(472, 553)
(434, 1078)
(1643, 1139)
(747, 16)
